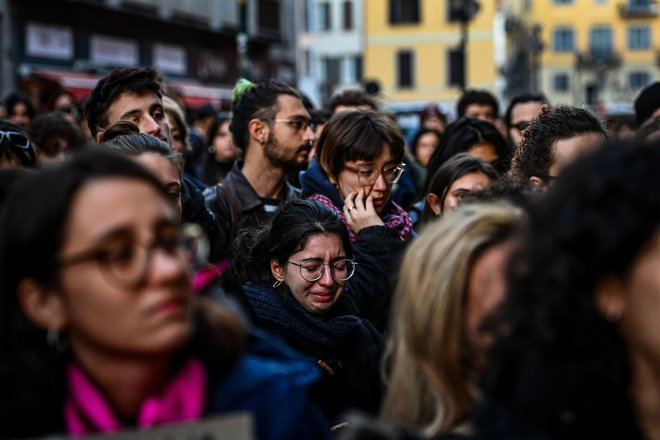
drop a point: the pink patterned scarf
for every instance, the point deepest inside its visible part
(396, 218)
(86, 410)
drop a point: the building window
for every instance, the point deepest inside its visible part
(639, 37)
(600, 41)
(358, 67)
(325, 16)
(348, 15)
(563, 40)
(638, 80)
(331, 70)
(404, 11)
(269, 15)
(307, 62)
(561, 82)
(354, 66)
(306, 17)
(404, 68)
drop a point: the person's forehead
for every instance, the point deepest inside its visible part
(525, 111)
(479, 106)
(291, 105)
(127, 101)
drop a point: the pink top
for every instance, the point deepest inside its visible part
(86, 410)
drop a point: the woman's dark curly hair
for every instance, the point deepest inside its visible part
(592, 224)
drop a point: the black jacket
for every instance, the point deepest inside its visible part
(194, 211)
(346, 348)
(236, 205)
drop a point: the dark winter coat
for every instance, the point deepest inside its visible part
(346, 348)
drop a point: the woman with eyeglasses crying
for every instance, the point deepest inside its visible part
(99, 330)
(358, 161)
(294, 273)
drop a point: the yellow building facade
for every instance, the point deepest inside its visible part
(407, 50)
(596, 52)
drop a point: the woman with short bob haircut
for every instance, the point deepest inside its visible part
(436, 351)
(360, 154)
(99, 331)
(455, 179)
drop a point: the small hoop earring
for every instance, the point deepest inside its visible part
(277, 284)
(55, 340)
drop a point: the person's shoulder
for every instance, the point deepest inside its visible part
(272, 382)
(268, 366)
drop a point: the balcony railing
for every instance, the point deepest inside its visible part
(638, 9)
(597, 58)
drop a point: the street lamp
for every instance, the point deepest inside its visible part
(462, 11)
(242, 39)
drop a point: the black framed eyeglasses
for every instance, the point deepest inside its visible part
(299, 123)
(341, 270)
(15, 138)
(124, 262)
(368, 176)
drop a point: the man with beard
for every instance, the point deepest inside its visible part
(273, 128)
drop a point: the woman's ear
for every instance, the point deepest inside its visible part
(434, 203)
(610, 298)
(277, 270)
(42, 305)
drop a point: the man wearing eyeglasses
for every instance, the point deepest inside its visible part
(273, 128)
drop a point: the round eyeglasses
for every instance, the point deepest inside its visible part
(368, 176)
(124, 262)
(341, 270)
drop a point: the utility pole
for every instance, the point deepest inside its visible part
(242, 39)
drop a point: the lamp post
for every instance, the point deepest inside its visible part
(462, 11)
(242, 39)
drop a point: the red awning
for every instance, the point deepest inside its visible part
(196, 94)
(78, 83)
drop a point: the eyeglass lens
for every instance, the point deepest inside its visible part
(340, 270)
(391, 175)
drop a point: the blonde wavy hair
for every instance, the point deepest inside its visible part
(429, 380)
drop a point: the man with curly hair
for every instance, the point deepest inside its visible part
(554, 139)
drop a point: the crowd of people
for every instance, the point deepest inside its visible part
(323, 273)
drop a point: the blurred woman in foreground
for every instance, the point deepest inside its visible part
(99, 331)
(578, 351)
(452, 277)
